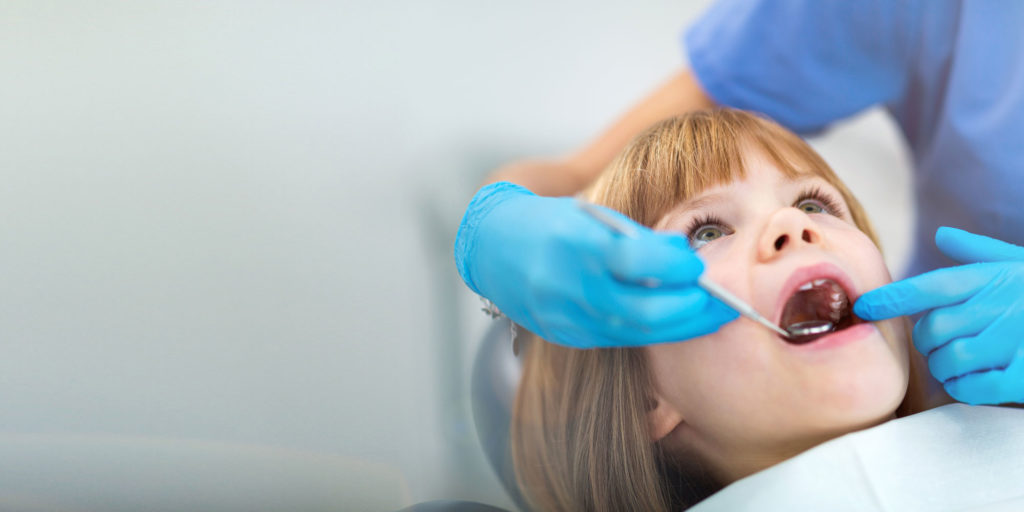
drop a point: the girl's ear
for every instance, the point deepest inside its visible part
(662, 418)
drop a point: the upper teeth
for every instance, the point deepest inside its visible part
(837, 296)
(811, 284)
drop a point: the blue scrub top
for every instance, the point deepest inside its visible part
(950, 72)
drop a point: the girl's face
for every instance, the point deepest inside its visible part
(743, 398)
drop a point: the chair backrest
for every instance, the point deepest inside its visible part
(496, 373)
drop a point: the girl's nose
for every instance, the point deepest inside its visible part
(788, 229)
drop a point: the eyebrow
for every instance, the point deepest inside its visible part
(703, 201)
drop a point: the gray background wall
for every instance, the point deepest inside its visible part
(231, 222)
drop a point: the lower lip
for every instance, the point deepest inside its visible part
(837, 339)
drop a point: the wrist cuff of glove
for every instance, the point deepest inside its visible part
(485, 200)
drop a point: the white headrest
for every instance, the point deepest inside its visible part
(952, 458)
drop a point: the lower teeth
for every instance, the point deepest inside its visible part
(804, 332)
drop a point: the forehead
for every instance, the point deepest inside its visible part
(757, 179)
(754, 167)
(750, 153)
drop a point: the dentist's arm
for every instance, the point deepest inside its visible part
(570, 174)
(973, 333)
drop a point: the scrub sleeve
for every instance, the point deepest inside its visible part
(804, 63)
(950, 72)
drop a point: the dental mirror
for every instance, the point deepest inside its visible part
(809, 328)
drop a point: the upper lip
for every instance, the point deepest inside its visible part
(824, 270)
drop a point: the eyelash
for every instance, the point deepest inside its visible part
(828, 202)
(704, 220)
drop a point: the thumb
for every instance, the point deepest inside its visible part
(971, 248)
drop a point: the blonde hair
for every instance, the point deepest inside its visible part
(579, 436)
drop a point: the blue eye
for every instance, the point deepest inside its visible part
(706, 234)
(815, 200)
(705, 230)
(811, 206)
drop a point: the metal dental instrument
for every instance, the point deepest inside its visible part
(810, 328)
(711, 287)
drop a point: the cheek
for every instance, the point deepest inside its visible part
(702, 375)
(864, 260)
(896, 332)
(718, 252)
(727, 263)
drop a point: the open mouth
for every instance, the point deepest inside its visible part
(814, 303)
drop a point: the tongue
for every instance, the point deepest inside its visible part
(822, 302)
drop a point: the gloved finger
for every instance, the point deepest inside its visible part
(942, 287)
(941, 325)
(581, 325)
(991, 387)
(616, 330)
(654, 259)
(650, 306)
(714, 315)
(968, 247)
(654, 308)
(653, 316)
(970, 354)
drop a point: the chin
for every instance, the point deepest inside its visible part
(869, 389)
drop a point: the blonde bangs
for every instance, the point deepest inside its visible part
(681, 157)
(670, 162)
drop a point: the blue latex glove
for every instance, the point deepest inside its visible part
(974, 334)
(568, 278)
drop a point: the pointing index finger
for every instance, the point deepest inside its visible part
(930, 290)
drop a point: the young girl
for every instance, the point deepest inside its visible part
(664, 426)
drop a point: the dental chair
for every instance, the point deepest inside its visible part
(943, 459)
(493, 384)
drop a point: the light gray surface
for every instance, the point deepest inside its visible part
(232, 221)
(95, 473)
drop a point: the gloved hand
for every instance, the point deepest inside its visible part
(568, 278)
(974, 334)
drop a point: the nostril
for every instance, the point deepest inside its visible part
(780, 242)
(807, 236)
